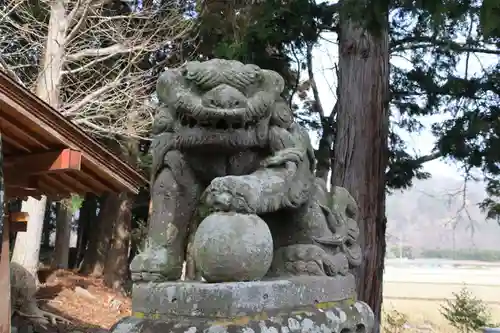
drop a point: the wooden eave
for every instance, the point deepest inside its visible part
(45, 153)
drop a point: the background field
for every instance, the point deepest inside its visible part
(417, 288)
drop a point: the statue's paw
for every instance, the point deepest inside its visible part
(231, 193)
(336, 264)
(295, 155)
(156, 264)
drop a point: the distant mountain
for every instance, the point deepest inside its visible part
(425, 216)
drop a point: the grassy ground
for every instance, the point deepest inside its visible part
(419, 293)
(423, 316)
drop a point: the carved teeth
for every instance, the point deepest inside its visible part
(221, 124)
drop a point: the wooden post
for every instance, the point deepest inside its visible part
(13, 222)
(4, 258)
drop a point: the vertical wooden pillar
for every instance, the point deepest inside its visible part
(4, 257)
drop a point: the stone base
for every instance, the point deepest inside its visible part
(226, 300)
(300, 304)
(330, 317)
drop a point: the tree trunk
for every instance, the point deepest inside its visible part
(13, 206)
(27, 246)
(47, 228)
(361, 139)
(49, 79)
(95, 255)
(63, 234)
(324, 152)
(138, 226)
(116, 268)
(88, 214)
(5, 303)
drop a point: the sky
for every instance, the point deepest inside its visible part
(325, 56)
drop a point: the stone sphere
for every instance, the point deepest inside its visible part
(233, 247)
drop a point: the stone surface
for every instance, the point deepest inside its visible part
(233, 247)
(331, 317)
(225, 140)
(238, 298)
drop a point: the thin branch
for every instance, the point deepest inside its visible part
(72, 15)
(6, 68)
(104, 89)
(87, 65)
(317, 103)
(469, 34)
(428, 158)
(105, 51)
(87, 99)
(87, 123)
(297, 79)
(78, 24)
(414, 43)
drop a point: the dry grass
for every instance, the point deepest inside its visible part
(424, 316)
(418, 293)
(84, 301)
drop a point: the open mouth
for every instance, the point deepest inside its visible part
(218, 124)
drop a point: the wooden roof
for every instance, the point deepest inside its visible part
(45, 153)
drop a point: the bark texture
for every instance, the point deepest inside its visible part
(5, 312)
(116, 266)
(48, 85)
(361, 142)
(88, 215)
(100, 237)
(47, 228)
(27, 246)
(63, 233)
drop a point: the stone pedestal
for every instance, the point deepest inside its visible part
(299, 304)
(226, 144)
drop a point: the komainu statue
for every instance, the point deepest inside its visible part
(273, 242)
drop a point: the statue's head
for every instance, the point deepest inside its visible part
(219, 103)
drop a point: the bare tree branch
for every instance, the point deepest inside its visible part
(428, 158)
(6, 68)
(87, 65)
(107, 59)
(79, 24)
(317, 107)
(105, 51)
(93, 95)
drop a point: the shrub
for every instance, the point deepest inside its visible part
(394, 321)
(466, 313)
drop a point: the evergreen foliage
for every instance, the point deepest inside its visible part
(437, 39)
